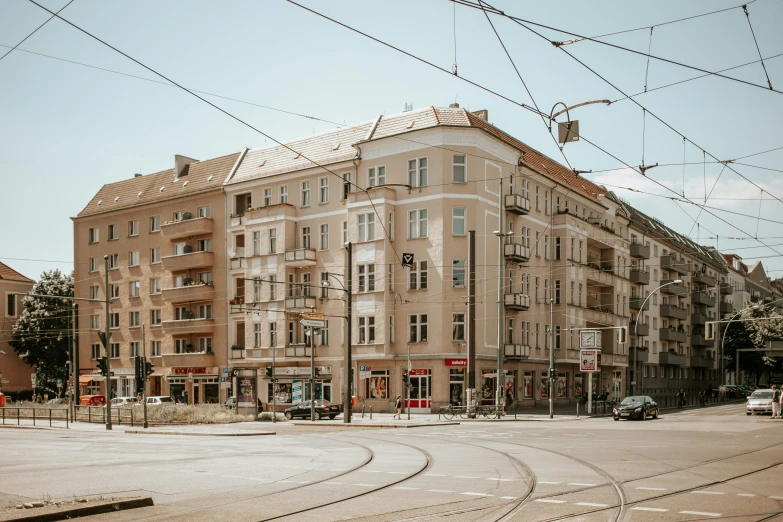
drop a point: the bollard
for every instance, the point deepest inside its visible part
(370, 412)
(577, 409)
(50, 417)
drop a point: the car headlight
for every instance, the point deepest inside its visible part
(615, 411)
(637, 410)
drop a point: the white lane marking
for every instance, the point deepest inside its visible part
(550, 501)
(591, 504)
(405, 488)
(369, 471)
(510, 498)
(776, 498)
(501, 479)
(366, 485)
(545, 482)
(238, 476)
(477, 494)
(745, 495)
(579, 484)
(709, 492)
(396, 473)
(700, 513)
(466, 477)
(433, 475)
(333, 483)
(440, 490)
(656, 510)
(652, 489)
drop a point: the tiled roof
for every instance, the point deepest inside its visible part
(201, 176)
(730, 261)
(9, 274)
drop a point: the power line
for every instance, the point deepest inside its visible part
(747, 16)
(36, 29)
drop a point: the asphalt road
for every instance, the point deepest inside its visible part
(713, 463)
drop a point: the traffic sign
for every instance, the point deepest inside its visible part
(32, 378)
(407, 259)
(313, 323)
(59, 382)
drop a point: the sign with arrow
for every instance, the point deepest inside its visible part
(407, 259)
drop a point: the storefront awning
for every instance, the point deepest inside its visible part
(85, 379)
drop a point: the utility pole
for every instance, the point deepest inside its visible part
(408, 384)
(471, 317)
(312, 374)
(501, 276)
(274, 386)
(551, 307)
(74, 361)
(143, 367)
(107, 344)
(348, 311)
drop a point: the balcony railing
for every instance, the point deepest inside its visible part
(187, 228)
(297, 350)
(703, 279)
(671, 358)
(517, 301)
(640, 251)
(636, 303)
(516, 252)
(699, 319)
(673, 311)
(184, 294)
(300, 303)
(671, 264)
(726, 289)
(238, 351)
(702, 298)
(188, 326)
(640, 277)
(635, 328)
(300, 257)
(699, 340)
(677, 336)
(642, 354)
(673, 289)
(517, 204)
(188, 261)
(726, 307)
(701, 362)
(516, 351)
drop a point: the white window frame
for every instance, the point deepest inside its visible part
(456, 165)
(134, 319)
(283, 193)
(323, 190)
(458, 327)
(256, 242)
(134, 289)
(323, 236)
(304, 238)
(458, 266)
(418, 223)
(366, 329)
(305, 200)
(155, 348)
(93, 264)
(376, 176)
(417, 172)
(114, 233)
(418, 276)
(155, 285)
(273, 241)
(204, 212)
(154, 223)
(366, 226)
(267, 199)
(366, 277)
(415, 324)
(133, 228)
(154, 255)
(456, 219)
(93, 235)
(205, 345)
(134, 258)
(155, 317)
(114, 261)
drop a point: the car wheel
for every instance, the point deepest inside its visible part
(617, 418)
(289, 415)
(331, 417)
(644, 415)
(656, 414)
(748, 413)
(317, 416)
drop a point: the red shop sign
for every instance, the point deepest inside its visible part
(185, 371)
(419, 372)
(457, 362)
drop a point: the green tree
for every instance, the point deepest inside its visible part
(41, 336)
(753, 334)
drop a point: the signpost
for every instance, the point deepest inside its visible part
(407, 259)
(588, 363)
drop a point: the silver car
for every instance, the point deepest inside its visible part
(760, 401)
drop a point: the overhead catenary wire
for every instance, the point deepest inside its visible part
(36, 30)
(747, 17)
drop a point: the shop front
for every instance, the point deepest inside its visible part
(420, 398)
(292, 386)
(193, 385)
(458, 370)
(489, 385)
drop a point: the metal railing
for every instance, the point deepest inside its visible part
(36, 414)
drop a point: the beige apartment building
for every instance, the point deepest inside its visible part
(164, 237)
(15, 373)
(418, 183)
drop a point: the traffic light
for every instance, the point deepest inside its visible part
(551, 373)
(148, 368)
(101, 361)
(138, 366)
(316, 372)
(623, 334)
(709, 330)
(405, 378)
(269, 371)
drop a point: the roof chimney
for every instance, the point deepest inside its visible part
(454, 105)
(483, 114)
(180, 165)
(137, 175)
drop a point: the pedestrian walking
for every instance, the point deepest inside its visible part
(780, 403)
(680, 398)
(775, 402)
(398, 408)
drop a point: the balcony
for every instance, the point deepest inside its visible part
(516, 252)
(698, 340)
(597, 277)
(726, 307)
(638, 328)
(599, 314)
(188, 326)
(676, 336)
(300, 257)
(701, 362)
(516, 204)
(187, 228)
(674, 312)
(642, 354)
(517, 301)
(636, 303)
(297, 350)
(614, 359)
(673, 265)
(640, 277)
(702, 298)
(188, 261)
(184, 294)
(699, 319)
(640, 251)
(703, 279)
(300, 304)
(671, 358)
(238, 351)
(726, 289)
(677, 289)
(516, 351)
(237, 263)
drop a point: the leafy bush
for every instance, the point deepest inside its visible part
(190, 414)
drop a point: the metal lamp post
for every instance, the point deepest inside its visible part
(348, 362)
(636, 324)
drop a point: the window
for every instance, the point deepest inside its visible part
(345, 232)
(155, 224)
(557, 291)
(458, 221)
(391, 329)
(417, 332)
(306, 284)
(546, 202)
(417, 223)
(256, 290)
(366, 330)
(115, 350)
(272, 240)
(205, 311)
(538, 207)
(205, 344)
(155, 285)
(93, 264)
(291, 285)
(93, 235)
(204, 245)
(458, 327)
(305, 236)
(272, 287)
(114, 291)
(325, 334)
(323, 190)
(417, 172)
(538, 330)
(580, 295)
(557, 248)
(181, 313)
(391, 226)
(133, 319)
(272, 334)
(256, 243)
(180, 346)
(94, 294)
(284, 194)
(645, 372)
(154, 255)
(95, 322)
(376, 176)
(95, 351)
(256, 335)
(114, 232)
(203, 212)
(133, 228)
(652, 371)
(134, 287)
(367, 278)
(135, 349)
(538, 239)
(305, 200)
(458, 168)
(458, 273)
(546, 247)
(417, 279)
(346, 184)
(324, 237)
(366, 227)
(155, 348)
(267, 197)
(114, 261)
(557, 337)
(155, 317)
(133, 258)
(376, 385)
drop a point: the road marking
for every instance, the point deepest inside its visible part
(708, 492)
(369, 471)
(579, 484)
(745, 495)
(777, 498)
(651, 489)
(477, 494)
(396, 473)
(366, 485)
(466, 477)
(405, 488)
(433, 475)
(333, 483)
(440, 490)
(239, 476)
(510, 498)
(501, 479)
(656, 510)
(700, 513)
(545, 482)
(591, 504)
(550, 501)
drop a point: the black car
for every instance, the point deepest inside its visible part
(322, 409)
(636, 407)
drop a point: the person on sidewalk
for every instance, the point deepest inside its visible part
(775, 402)
(398, 408)
(680, 398)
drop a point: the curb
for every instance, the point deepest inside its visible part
(99, 509)
(199, 434)
(377, 426)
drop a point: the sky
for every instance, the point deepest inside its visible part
(66, 129)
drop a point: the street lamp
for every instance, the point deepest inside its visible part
(348, 311)
(636, 324)
(501, 384)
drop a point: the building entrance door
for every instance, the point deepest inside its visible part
(420, 394)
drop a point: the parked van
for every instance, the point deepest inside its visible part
(92, 400)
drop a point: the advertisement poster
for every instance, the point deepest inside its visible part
(562, 385)
(578, 385)
(544, 387)
(247, 392)
(528, 385)
(378, 388)
(282, 393)
(296, 392)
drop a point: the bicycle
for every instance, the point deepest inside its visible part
(449, 412)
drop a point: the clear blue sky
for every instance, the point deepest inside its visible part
(68, 129)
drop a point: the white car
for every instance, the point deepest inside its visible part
(760, 401)
(163, 399)
(123, 401)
